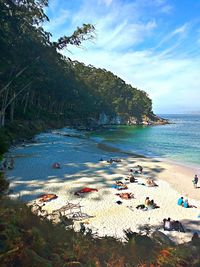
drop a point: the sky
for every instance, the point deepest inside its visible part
(154, 45)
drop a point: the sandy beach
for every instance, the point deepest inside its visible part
(33, 175)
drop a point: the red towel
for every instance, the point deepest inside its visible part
(86, 190)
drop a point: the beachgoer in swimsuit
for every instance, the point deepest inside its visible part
(180, 201)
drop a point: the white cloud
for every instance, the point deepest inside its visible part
(56, 22)
(125, 45)
(106, 2)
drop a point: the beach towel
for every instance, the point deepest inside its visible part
(85, 190)
(47, 197)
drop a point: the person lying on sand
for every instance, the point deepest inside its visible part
(187, 205)
(150, 182)
(47, 197)
(121, 187)
(85, 190)
(118, 182)
(125, 195)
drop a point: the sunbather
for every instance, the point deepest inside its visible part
(152, 205)
(119, 182)
(187, 205)
(147, 202)
(150, 182)
(120, 185)
(85, 190)
(125, 195)
(47, 197)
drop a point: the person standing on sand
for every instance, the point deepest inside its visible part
(195, 181)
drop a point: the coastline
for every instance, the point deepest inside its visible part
(79, 158)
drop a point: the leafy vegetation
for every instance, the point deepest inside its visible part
(26, 240)
(40, 88)
(37, 82)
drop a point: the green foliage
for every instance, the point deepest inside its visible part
(26, 240)
(4, 184)
(37, 82)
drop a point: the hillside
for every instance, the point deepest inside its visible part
(38, 82)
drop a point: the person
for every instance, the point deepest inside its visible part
(132, 179)
(11, 164)
(167, 226)
(56, 165)
(140, 168)
(110, 161)
(186, 204)
(180, 201)
(195, 239)
(4, 165)
(151, 205)
(195, 181)
(147, 202)
(177, 226)
(150, 182)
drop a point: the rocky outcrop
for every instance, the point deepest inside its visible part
(152, 119)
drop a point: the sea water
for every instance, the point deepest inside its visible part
(179, 140)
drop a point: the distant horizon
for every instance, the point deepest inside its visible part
(161, 114)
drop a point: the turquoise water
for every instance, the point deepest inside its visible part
(179, 141)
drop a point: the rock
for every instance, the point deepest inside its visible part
(162, 239)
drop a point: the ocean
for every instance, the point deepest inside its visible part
(178, 141)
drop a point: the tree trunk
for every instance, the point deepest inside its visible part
(12, 107)
(26, 103)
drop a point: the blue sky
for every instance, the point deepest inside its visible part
(153, 45)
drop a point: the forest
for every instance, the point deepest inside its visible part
(38, 82)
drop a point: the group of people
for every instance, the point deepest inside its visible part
(169, 225)
(148, 205)
(112, 160)
(184, 203)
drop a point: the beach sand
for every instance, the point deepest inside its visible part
(80, 167)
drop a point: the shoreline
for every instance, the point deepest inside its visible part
(187, 169)
(79, 158)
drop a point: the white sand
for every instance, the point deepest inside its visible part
(33, 176)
